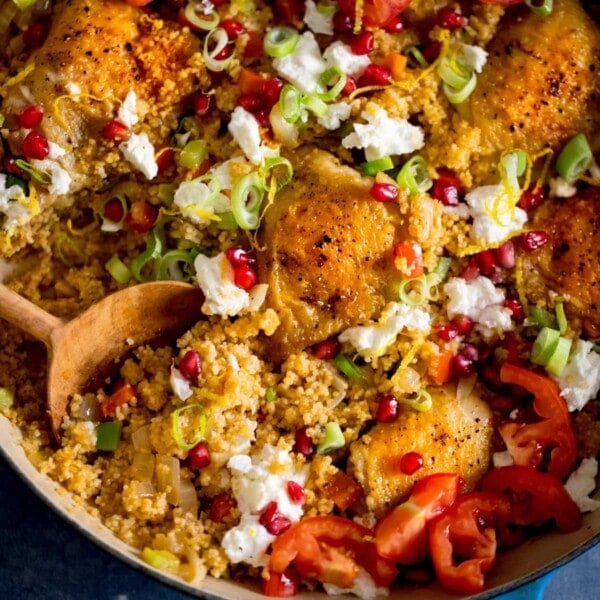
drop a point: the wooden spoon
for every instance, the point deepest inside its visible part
(81, 351)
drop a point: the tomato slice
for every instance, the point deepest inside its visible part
(401, 534)
(376, 13)
(330, 549)
(527, 443)
(535, 497)
(281, 585)
(467, 530)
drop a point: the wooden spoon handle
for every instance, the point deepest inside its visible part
(27, 316)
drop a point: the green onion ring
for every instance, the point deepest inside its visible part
(347, 367)
(415, 53)
(226, 221)
(414, 176)
(119, 271)
(542, 9)
(217, 36)
(544, 346)
(201, 22)
(414, 291)
(458, 95)
(246, 199)
(316, 106)
(327, 7)
(290, 103)
(7, 398)
(332, 74)
(169, 268)
(193, 154)
(542, 318)
(154, 245)
(176, 426)
(268, 167)
(575, 159)
(333, 439)
(422, 402)
(372, 167)
(453, 73)
(560, 357)
(280, 41)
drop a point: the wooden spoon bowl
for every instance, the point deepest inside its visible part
(82, 351)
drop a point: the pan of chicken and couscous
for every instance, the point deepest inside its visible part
(392, 211)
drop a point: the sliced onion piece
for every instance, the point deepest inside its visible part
(214, 43)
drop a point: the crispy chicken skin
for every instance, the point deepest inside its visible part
(540, 85)
(569, 263)
(453, 437)
(328, 252)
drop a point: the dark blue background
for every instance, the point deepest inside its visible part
(43, 558)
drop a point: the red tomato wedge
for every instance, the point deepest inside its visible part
(401, 534)
(330, 549)
(467, 530)
(376, 13)
(527, 443)
(535, 497)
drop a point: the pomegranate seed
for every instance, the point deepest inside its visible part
(238, 257)
(531, 198)
(411, 462)
(233, 28)
(327, 349)
(464, 325)
(505, 255)
(387, 409)
(35, 146)
(116, 131)
(384, 192)
(165, 159)
(220, 507)
(470, 352)
(431, 51)
(262, 117)
(343, 23)
(199, 456)
(225, 53)
(114, 211)
(31, 116)
(272, 91)
(463, 364)
(516, 308)
(446, 332)
(302, 443)
(448, 18)
(296, 492)
(34, 35)
(202, 103)
(446, 188)
(350, 86)
(141, 217)
(245, 277)
(363, 43)
(487, 262)
(471, 271)
(274, 522)
(10, 166)
(532, 240)
(250, 102)
(375, 75)
(189, 365)
(395, 25)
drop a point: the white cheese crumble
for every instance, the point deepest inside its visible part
(481, 301)
(73, 89)
(472, 56)
(13, 204)
(248, 542)
(179, 384)
(580, 380)
(336, 113)
(581, 483)
(225, 172)
(559, 188)
(198, 201)
(60, 180)
(139, 152)
(127, 113)
(372, 340)
(494, 216)
(340, 55)
(364, 587)
(383, 136)
(304, 66)
(317, 21)
(246, 132)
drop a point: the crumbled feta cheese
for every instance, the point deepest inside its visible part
(383, 136)
(336, 113)
(206, 7)
(225, 172)
(317, 21)
(364, 587)
(55, 151)
(73, 89)
(340, 55)
(60, 180)
(13, 204)
(494, 216)
(248, 542)
(580, 380)
(472, 56)
(559, 188)
(127, 113)
(581, 483)
(372, 340)
(246, 132)
(139, 152)
(481, 301)
(502, 459)
(222, 296)
(198, 202)
(179, 384)
(304, 66)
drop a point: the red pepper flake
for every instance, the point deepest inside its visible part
(274, 522)
(411, 462)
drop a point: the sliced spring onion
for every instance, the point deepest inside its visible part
(226, 221)
(108, 435)
(23, 4)
(327, 7)
(332, 440)
(176, 265)
(414, 53)
(274, 166)
(246, 199)
(414, 176)
(521, 156)
(290, 103)
(193, 154)
(166, 193)
(421, 402)
(39, 176)
(163, 560)
(542, 318)
(575, 159)
(540, 7)
(372, 167)
(214, 43)
(561, 318)
(440, 272)
(316, 106)
(331, 82)
(458, 95)
(153, 251)
(270, 394)
(347, 367)
(118, 269)
(544, 346)
(414, 291)
(453, 72)
(560, 357)
(202, 22)
(280, 41)
(7, 398)
(198, 425)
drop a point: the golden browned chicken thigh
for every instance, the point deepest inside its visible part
(328, 256)
(453, 437)
(540, 85)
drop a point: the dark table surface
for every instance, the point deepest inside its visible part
(43, 558)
